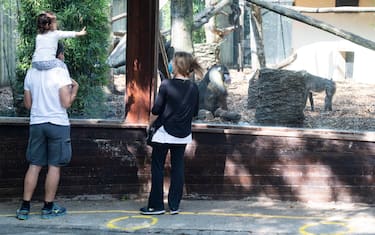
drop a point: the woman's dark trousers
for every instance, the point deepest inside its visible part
(159, 153)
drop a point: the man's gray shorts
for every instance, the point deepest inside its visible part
(49, 144)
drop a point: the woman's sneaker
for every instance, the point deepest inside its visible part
(174, 211)
(22, 213)
(56, 210)
(151, 211)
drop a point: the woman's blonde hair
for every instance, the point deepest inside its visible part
(184, 63)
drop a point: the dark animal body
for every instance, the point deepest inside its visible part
(319, 84)
(213, 93)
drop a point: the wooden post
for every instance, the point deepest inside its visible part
(141, 58)
(163, 57)
(258, 57)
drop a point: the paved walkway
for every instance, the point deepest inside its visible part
(201, 217)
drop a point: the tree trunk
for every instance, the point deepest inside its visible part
(181, 31)
(257, 56)
(210, 36)
(240, 58)
(281, 98)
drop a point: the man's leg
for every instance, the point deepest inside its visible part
(30, 182)
(59, 154)
(52, 183)
(51, 209)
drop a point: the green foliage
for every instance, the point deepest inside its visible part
(165, 17)
(85, 56)
(198, 35)
(7, 5)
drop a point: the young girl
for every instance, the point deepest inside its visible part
(44, 57)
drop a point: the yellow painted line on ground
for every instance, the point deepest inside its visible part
(208, 213)
(252, 215)
(347, 228)
(112, 223)
(80, 212)
(14, 215)
(192, 213)
(103, 211)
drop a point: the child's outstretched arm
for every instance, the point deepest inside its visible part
(82, 32)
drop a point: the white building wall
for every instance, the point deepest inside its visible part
(322, 53)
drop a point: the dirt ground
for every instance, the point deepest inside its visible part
(353, 104)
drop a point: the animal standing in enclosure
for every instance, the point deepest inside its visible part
(318, 84)
(213, 94)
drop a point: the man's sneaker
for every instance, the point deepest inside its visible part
(55, 211)
(151, 211)
(22, 214)
(174, 211)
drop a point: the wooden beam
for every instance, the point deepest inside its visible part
(141, 58)
(256, 23)
(164, 57)
(118, 17)
(315, 23)
(203, 17)
(287, 61)
(333, 9)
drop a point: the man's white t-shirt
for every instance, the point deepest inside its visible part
(46, 44)
(44, 87)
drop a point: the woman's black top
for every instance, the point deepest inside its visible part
(176, 111)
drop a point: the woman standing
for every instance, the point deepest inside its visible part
(176, 104)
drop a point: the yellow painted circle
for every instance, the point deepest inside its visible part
(303, 231)
(112, 223)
